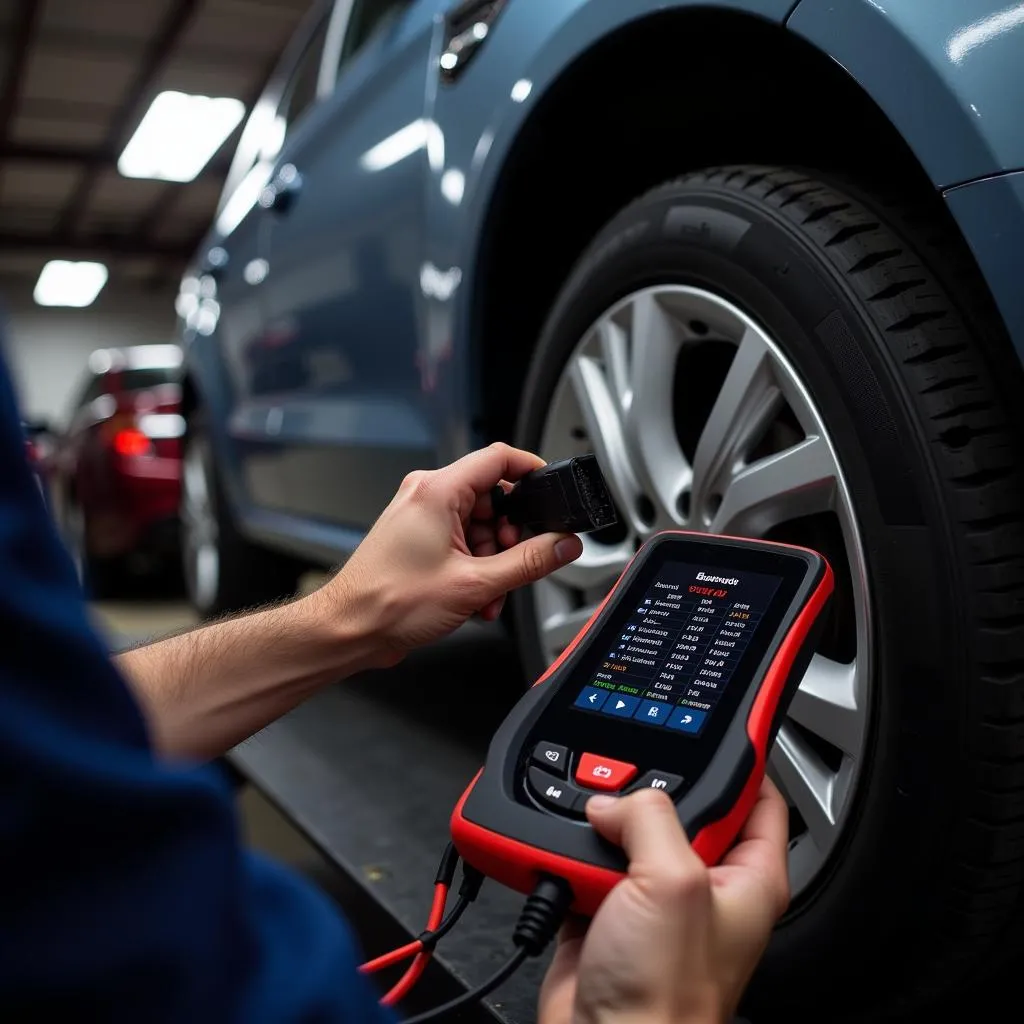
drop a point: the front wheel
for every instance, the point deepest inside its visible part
(223, 571)
(757, 352)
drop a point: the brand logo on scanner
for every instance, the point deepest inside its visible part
(703, 576)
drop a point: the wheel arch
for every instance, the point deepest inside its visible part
(738, 90)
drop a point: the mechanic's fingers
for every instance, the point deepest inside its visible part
(646, 826)
(769, 820)
(475, 474)
(529, 561)
(558, 992)
(482, 539)
(509, 535)
(484, 507)
(760, 851)
(490, 612)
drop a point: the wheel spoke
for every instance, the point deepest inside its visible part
(195, 489)
(806, 783)
(661, 466)
(560, 628)
(620, 384)
(826, 704)
(792, 483)
(602, 417)
(747, 402)
(597, 568)
(614, 348)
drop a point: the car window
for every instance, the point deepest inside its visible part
(150, 377)
(301, 89)
(289, 93)
(367, 19)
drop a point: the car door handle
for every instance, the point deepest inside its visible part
(467, 25)
(281, 193)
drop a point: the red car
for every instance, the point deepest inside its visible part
(115, 473)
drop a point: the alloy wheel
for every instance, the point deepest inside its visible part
(199, 529)
(700, 423)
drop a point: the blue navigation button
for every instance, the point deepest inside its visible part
(591, 697)
(653, 712)
(621, 704)
(686, 719)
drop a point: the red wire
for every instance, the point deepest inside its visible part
(415, 970)
(406, 982)
(394, 957)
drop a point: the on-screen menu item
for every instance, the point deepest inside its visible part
(680, 646)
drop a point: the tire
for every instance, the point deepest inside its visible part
(224, 572)
(884, 323)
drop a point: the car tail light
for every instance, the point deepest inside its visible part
(131, 441)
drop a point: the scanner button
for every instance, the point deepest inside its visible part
(553, 791)
(603, 772)
(551, 756)
(591, 697)
(664, 781)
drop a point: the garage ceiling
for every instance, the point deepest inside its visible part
(76, 77)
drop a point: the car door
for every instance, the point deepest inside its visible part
(344, 243)
(228, 299)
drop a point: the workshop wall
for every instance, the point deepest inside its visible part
(47, 348)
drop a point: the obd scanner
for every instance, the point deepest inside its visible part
(679, 682)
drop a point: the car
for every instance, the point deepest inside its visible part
(761, 257)
(114, 473)
(39, 442)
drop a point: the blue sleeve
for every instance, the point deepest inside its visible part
(126, 893)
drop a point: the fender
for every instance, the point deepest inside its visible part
(947, 73)
(949, 76)
(528, 49)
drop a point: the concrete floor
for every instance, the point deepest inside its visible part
(149, 618)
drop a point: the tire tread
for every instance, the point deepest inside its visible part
(956, 387)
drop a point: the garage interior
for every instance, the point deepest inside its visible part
(63, 198)
(354, 788)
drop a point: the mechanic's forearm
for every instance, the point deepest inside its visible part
(206, 690)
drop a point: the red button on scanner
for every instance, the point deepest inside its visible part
(603, 773)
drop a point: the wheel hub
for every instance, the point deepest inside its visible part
(700, 423)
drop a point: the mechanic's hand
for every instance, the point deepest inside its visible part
(434, 557)
(674, 941)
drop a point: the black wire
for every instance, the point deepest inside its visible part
(496, 979)
(446, 869)
(430, 939)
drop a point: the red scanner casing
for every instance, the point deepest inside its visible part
(515, 844)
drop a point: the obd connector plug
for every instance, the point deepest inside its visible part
(570, 496)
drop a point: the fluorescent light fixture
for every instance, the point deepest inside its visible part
(69, 283)
(178, 135)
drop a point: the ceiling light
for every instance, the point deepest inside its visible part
(68, 283)
(178, 135)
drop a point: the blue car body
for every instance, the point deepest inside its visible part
(339, 344)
